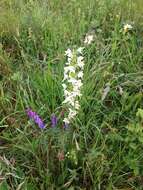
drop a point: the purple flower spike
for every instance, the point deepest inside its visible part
(36, 118)
(30, 113)
(54, 120)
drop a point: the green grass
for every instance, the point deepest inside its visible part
(109, 133)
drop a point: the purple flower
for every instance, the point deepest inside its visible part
(36, 118)
(54, 120)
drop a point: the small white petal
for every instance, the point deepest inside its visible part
(67, 63)
(69, 69)
(66, 93)
(68, 53)
(72, 80)
(78, 83)
(65, 77)
(64, 86)
(77, 106)
(72, 113)
(80, 74)
(127, 27)
(80, 62)
(80, 59)
(88, 39)
(80, 49)
(66, 120)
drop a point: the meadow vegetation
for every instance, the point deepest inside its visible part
(102, 149)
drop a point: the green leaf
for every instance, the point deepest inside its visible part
(4, 186)
(140, 113)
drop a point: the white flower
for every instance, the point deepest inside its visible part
(67, 63)
(77, 106)
(80, 74)
(78, 83)
(80, 61)
(72, 113)
(69, 59)
(69, 100)
(88, 39)
(76, 93)
(76, 88)
(68, 53)
(127, 27)
(64, 86)
(66, 120)
(72, 82)
(81, 65)
(79, 50)
(66, 93)
(65, 77)
(69, 69)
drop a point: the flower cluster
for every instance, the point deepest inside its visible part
(72, 82)
(36, 118)
(89, 38)
(127, 27)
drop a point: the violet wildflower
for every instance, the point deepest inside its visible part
(36, 118)
(54, 120)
